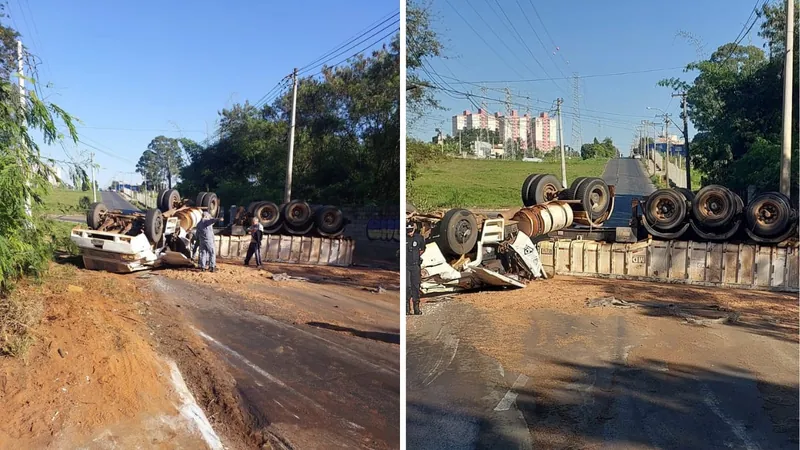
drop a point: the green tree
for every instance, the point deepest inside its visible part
(162, 160)
(422, 43)
(735, 104)
(26, 245)
(347, 140)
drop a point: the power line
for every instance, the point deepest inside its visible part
(544, 27)
(544, 47)
(361, 33)
(480, 36)
(157, 130)
(522, 41)
(599, 75)
(393, 25)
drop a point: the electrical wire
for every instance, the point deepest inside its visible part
(358, 35)
(393, 25)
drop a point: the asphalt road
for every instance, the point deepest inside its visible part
(631, 181)
(315, 384)
(113, 200)
(591, 378)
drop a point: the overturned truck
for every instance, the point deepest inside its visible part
(473, 249)
(294, 218)
(467, 250)
(123, 241)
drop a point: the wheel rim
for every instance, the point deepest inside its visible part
(597, 198)
(664, 210)
(329, 218)
(463, 231)
(768, 214)
(550, 192)
(714, 206)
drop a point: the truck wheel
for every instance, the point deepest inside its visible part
(154, 225)
(665, 209)
(267, 213)
(211, 202)
(95, 215)
(199, 200)
(329, 219)
(569, 193)
(768, 214)
(594, 196)
(160, 198)
(171, 200)
(714, 206)
(544, 189)
(526, 189)
(297, 214)
(458, 232)
(251, 207)
(686, 193)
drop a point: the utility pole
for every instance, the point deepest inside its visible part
(788, 79)
(460, 150)
(561, 142)
(666, 146)
(21, 70)
(682, 95)
(91, 167)
(287, 196)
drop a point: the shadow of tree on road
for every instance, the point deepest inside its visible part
(390, 338)
(659, 405)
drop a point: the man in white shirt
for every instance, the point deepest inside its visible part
(256, 234)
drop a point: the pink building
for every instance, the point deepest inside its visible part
(514, 127)
(474, 121)
(543, 133)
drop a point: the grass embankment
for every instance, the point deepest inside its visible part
(492, 183)
(63, 201)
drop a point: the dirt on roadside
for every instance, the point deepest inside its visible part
(90, 369)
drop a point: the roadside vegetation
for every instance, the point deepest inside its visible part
(347, 141)
(486, 183)
(735, 103)
(27, 244)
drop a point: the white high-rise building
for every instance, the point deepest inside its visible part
(474, 121)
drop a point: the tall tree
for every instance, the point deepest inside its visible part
(422, 43)
(162, 160)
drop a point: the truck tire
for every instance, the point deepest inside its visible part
(769, 214)
(199, 200)
(666, 209)
(160, 198)
(170, 200)
(526, 188)
(95, 215)
(569, 193)
(458, 232)
(544, 189)
(595, 197)
(714, 206)
(296, 214)
(686, 193)
(268, 214)
(211, 202)
(154, 225)
(329, 219)
(251, 207)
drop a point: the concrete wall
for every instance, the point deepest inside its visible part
(376, 232)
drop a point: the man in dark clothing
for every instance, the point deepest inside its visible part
(415, 246)
(256, 231)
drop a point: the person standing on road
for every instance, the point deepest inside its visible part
(256, 231)
(205, 237)
(415, 246)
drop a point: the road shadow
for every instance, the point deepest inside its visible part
(433, 427)
(771, 314)
(368, 278)
(389, 338)
(658, 405)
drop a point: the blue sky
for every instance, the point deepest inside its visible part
(133, 70)
(592, 38)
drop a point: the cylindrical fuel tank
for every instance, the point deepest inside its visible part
(545, 218)
(189, 217)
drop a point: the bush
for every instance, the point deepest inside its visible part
(83, 203)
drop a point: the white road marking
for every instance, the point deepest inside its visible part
(191, 410)
(511, 395)
(738, 429)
